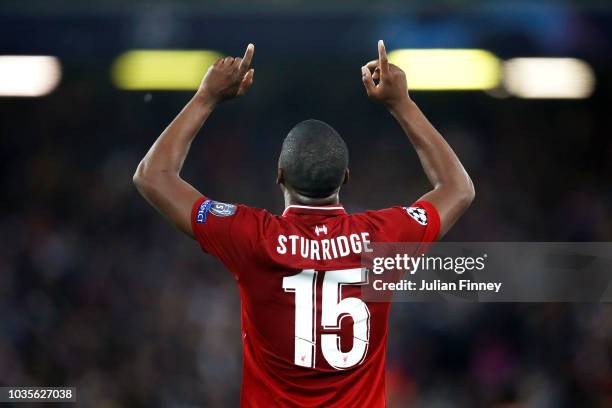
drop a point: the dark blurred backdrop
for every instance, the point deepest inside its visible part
(98, 292)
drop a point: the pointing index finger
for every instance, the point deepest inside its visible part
(382, 56)
(248, 57)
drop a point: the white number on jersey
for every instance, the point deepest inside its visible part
(333, 311)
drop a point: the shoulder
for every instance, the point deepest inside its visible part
(255, 217)
(215, 216)
(417, 222)
(380, 215)
(420, 212)
(244, 212)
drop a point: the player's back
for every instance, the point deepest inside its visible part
(309, 337)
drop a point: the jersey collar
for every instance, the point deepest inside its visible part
(335, 209)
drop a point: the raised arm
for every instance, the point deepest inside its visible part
(157, 177)
(453, 190)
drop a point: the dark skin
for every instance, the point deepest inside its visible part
(158, 178)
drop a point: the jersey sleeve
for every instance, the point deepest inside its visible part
(418, 223)
(229, 232)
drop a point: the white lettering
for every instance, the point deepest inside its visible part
(343, 245)
(293, 239)
(355, 243)
(314, 250)
(325, 249)
(281, 248)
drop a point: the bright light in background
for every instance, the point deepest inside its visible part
(29, 75)
(548, 78)
(448, 69)
(162, 69)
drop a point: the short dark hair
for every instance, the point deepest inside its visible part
(314, 159)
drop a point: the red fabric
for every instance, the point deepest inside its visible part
(248, 243)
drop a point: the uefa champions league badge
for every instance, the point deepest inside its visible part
(419, 214)
(222, 209)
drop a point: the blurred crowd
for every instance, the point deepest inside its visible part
(98, 292)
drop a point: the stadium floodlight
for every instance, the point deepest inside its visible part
(448, 69)
(29, 75)
(162, 69)
(567, 78)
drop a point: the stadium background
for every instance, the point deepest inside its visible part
(98, 292)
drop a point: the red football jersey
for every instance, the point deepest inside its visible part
(309, 340)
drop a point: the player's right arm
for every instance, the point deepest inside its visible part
(157, 177)
(453, 190)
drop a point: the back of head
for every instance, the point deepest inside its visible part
(314, 159)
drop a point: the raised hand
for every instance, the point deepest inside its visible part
(228, 77)
(384, 82)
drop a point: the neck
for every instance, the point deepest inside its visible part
(293, 198)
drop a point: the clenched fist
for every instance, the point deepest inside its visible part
(227, 78)
(384, 82)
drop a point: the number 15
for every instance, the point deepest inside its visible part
(333, 311)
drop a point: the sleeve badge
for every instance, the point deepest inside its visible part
(222, 209)
(202, 211)
(418, 214)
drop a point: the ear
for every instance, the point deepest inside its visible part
(346, 177)
(279, 176)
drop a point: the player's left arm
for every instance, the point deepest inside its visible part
(453, 190)
(157, 177)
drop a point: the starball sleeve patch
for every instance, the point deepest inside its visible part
(418, 214)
